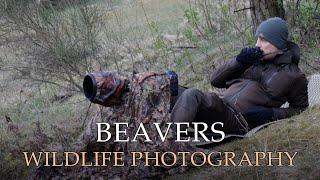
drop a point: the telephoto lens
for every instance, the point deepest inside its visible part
(105, 87)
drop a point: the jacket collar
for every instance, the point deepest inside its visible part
(290, 55)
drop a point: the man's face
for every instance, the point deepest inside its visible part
(267, 48)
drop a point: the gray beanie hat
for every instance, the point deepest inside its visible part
(274, 30)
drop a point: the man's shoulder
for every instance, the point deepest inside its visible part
(299, 76)
(297, 71)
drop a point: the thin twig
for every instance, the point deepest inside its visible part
(184, 47)
(243, 9)
(85, 118)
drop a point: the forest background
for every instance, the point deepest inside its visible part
(48, 46)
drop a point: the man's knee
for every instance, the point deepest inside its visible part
(189, 99)
(192, 92)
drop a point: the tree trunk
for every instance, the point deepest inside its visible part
(264, 9)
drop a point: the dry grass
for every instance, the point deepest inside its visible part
(138, 14)
(39, 123)
(298, 134)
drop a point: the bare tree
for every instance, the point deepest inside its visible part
(57, 46)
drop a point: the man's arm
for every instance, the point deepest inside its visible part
(235, 67)
(231, 70)
(297, 99)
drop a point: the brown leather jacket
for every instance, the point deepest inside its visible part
(267, 84)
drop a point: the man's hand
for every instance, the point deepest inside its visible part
(248, 56)
(260, 115)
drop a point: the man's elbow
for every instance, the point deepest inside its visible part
(304, 108)
(216, 83)
(300, 109)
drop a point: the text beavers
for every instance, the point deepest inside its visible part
(104, 134)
